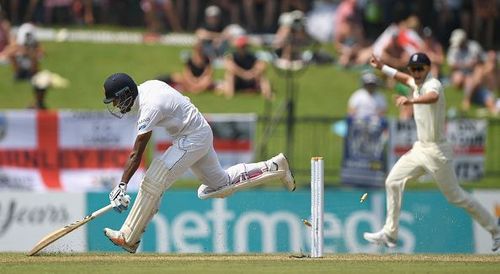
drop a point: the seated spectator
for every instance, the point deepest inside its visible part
(291, 39)
(484, 83)
(25, 53)
(367, 101)
(212, 34)
(434, 50)
(157, 10)
(349, 37)
(5, 38)
(393, 54)
(244, 72)
(463, 57)
(403, 34)
(197, 75)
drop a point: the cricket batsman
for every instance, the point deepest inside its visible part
(160, 105)
(431, 152)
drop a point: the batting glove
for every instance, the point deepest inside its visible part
(118, 197)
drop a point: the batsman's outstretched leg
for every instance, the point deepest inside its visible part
(243, 176)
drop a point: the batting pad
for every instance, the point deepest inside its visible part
(244, 180)
(147, 202)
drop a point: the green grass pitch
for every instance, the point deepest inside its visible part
(241, 264)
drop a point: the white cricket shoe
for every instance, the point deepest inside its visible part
(380, 238)
(205, 192)
(496, 242)
(117, 238)
(282, 162)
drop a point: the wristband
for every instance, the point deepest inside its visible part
(391, 72)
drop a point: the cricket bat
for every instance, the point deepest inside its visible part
(53, 236)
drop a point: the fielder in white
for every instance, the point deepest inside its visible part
(159, 105)
(431, 152)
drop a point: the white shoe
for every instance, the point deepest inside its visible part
(282, 162)
(380, 238)
(117, 238)
(205, 192)
(496, 243)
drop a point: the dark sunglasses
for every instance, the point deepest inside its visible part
(416, 69)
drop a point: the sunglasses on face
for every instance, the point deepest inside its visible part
(416, 69)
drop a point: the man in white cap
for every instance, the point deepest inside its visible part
(463, 57)
(213, 34)
(431, 152)
(367, 102)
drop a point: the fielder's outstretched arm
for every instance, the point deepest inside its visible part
(401, 77)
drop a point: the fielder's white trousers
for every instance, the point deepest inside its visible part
(436, 160)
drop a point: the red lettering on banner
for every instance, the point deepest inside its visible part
(65, 158)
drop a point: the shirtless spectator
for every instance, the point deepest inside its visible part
(349, 36)
(5, 38)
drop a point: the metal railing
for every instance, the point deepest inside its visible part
(314, 136)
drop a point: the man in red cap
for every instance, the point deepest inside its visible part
(244, 72)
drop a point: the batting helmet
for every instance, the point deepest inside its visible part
(121, 90)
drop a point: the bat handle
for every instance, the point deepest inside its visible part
(101, 211)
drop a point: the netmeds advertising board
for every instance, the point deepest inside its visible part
(271, 221)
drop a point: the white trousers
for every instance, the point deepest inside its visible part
(436, 160)
(196, 151)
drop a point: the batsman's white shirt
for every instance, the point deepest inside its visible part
(160, 105)
(432, 154)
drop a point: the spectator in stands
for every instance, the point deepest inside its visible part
(269, 7)
(291, 37)
(5, 38)
(244, 72)
(434, 50)
(484, 83)
(394, 54)
(156, 10)
(367, 101)
(197, 75)
(463, 57)
(212, 33)
(398, 39)
(349, 35)
(25, 53)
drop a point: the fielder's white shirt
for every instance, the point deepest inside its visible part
(160, 105)
(430, 118)
(365, 104)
